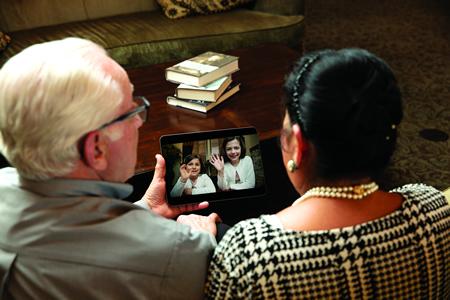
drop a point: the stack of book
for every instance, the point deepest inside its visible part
(204, 81)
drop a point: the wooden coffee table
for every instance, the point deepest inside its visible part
(261, 74)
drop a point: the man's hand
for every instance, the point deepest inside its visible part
(155, 194)
(201, 223)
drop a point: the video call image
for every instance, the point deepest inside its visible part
(218, 168)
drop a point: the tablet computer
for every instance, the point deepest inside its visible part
(215, 165)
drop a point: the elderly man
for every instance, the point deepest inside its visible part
(69, 125)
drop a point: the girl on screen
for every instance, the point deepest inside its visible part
(192, 180)
(234, 169)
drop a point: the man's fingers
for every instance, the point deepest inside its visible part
(202, 205)
(215, 218)
(196, 206)
(190, 207)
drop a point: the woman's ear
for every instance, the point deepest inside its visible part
(94, 151)
(300, 145)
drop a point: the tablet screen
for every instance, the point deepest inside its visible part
(213, 165)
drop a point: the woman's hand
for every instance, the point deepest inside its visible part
(201, 223)
(217, 161)
(184, 173)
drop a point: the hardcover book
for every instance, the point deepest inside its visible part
(210, 92)
(202, 69)
(204, 106)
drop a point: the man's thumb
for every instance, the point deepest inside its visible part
(160, 168)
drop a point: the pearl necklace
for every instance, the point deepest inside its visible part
(347, 192)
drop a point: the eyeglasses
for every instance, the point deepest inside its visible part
(141, 110)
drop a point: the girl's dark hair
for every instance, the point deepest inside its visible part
(223, 151)
(348, 105)
(190, 157)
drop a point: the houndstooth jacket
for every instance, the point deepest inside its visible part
(404, 255)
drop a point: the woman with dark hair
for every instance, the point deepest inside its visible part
(344, 237)
(234, 169)
(192, 180)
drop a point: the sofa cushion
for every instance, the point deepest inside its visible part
(175, 9)
(149, 37)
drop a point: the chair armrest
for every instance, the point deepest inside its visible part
(281, 7)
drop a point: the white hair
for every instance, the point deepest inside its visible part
(51, 95)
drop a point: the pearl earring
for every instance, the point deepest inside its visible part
(291, 166)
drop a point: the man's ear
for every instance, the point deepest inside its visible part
(95, 151)
(300, 145)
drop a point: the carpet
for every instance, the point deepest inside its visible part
(413, 37)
